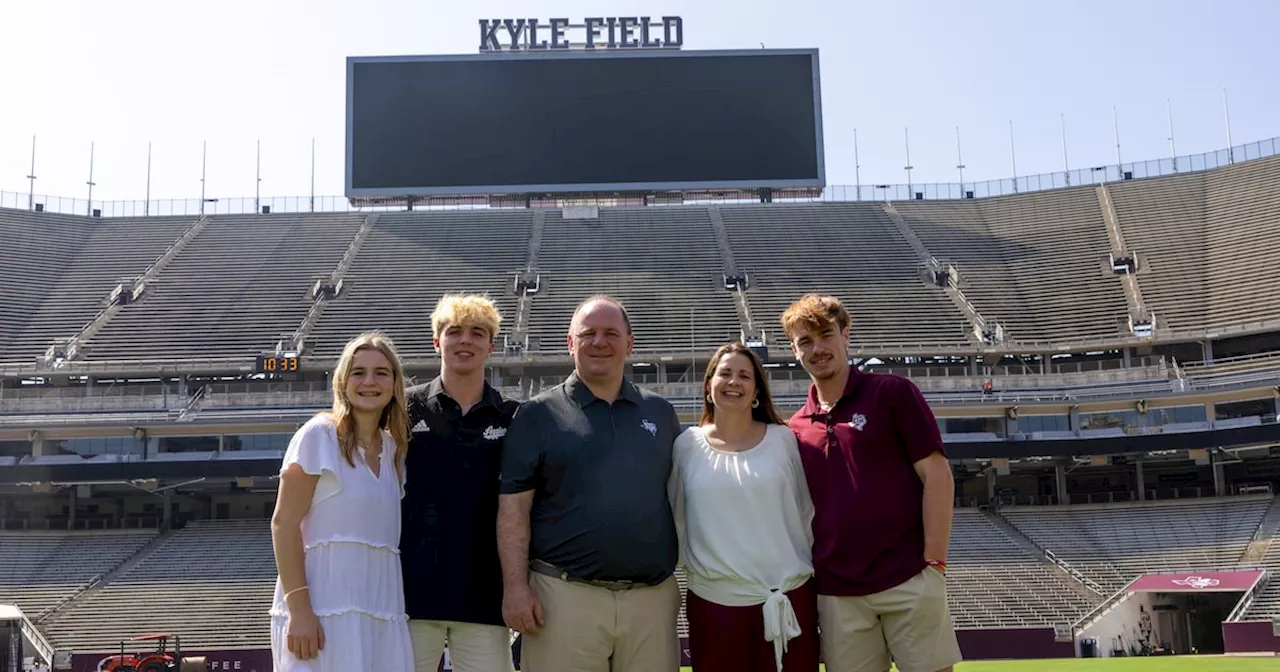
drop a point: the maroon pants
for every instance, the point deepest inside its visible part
(731, 639)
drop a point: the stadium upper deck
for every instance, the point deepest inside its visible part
(1128, 265)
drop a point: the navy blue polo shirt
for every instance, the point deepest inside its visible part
(599, 474)
(449, 514)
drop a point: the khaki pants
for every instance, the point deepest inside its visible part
(909, 622)
(472, 647)
(593, 629)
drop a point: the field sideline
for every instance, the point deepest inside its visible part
(1161, 664)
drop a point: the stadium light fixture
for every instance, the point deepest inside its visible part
(89, 205)
(31, 178)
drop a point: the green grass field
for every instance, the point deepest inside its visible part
(1162, 664)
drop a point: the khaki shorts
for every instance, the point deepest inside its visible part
(908, 623)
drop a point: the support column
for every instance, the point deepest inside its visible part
(991, 485)
(1219, 478)
(71, 507)
(166, 518)
(1128, 357)
(1142, 482)
(1060, 477)
(1207, 351)
(1045, 363)
(37, 443)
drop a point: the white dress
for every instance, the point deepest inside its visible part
(351, 539)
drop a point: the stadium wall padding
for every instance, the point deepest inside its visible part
(1012, 644)
(1249, 637)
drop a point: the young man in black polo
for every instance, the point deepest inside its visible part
(448, 545)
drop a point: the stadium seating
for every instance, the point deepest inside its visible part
(1163, 222)
(112, 250)
(865, 261)
(239, 285)
(409, 260)
(992, 582)
(1112, 544)
(41, 569)
(1204, 241)
(33, 257)
(210, 584)
(1242, 220)
(662, 263)
(1035, 263)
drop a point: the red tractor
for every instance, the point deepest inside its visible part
(159, 660)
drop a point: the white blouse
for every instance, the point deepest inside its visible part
(745, 521)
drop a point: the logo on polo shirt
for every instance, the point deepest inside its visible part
(421, 427)
(649, 427)
(492, 433)
(858, 422)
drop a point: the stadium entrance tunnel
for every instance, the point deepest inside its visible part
(1168, 614)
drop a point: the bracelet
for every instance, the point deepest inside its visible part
(940, 565)
(295, 590)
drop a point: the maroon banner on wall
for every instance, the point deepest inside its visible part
(1249, 637)
(1012, 643)
(247, 660)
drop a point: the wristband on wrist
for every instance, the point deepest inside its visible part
(938, 564)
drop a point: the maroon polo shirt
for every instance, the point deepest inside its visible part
(868, 526)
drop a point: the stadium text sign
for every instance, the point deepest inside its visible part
(610, 32)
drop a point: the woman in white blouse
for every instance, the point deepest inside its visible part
(339, 599)
(744, 515)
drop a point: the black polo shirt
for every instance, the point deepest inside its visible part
(449, 514)
(599, 472)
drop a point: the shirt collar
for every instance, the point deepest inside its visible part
(489, 396)
(583, 396)
(812, 407)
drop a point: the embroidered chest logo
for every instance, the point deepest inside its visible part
(421, 427)
(858, 422)
(494, 433)
(649, 427)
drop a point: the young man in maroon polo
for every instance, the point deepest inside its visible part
(882, 492)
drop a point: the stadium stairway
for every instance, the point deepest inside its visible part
(1132, 290)
(520, 327)
(978, 325)
(729, 265)
(1266, 534)
(320, 301)
(107, 577)
(1086, 589)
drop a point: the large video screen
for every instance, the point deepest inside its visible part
(583, 121)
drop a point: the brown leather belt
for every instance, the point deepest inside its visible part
(548, 569)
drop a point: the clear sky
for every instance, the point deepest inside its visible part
(126, 72)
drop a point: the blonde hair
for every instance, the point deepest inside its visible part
(465, 309)
(816, 313)
(395, 416)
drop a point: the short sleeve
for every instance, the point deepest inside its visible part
(804, 500)
(915, 423)
(522, 451)
(314, 448)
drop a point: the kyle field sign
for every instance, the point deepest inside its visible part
(609, 32)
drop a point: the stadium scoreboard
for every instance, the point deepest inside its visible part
(276, 364)
(585, 121)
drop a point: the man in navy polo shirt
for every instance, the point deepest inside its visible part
(448, 541)
(882, 493)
